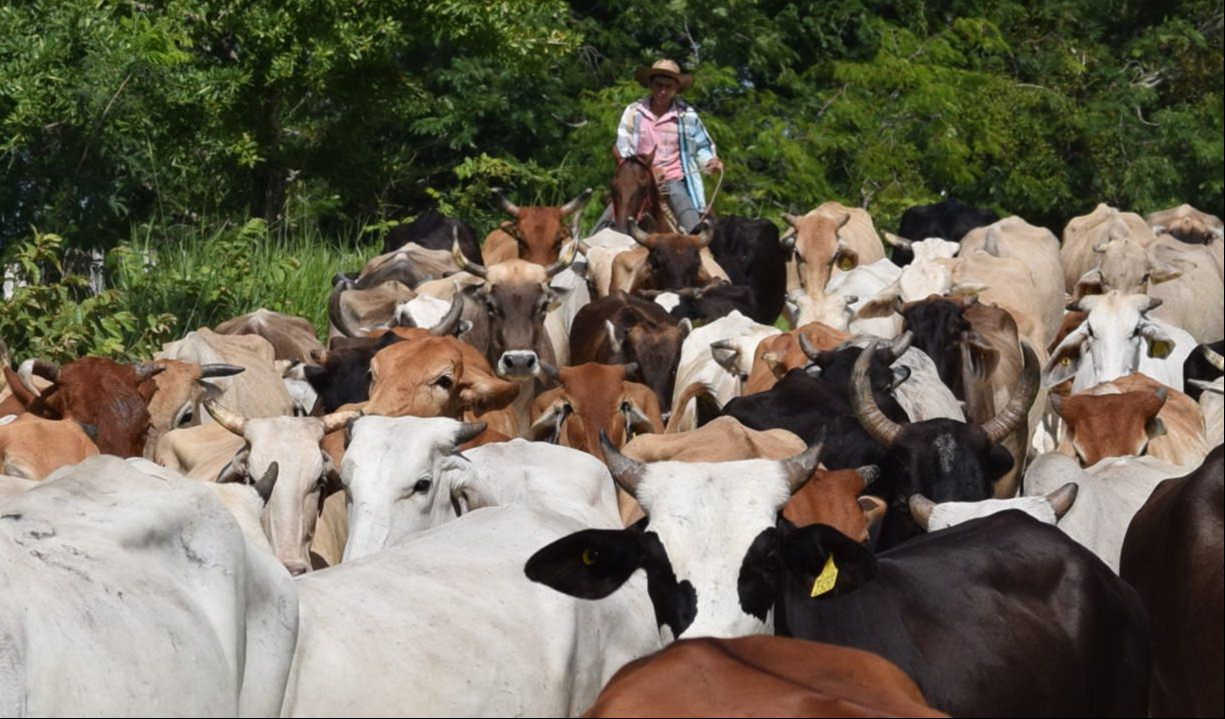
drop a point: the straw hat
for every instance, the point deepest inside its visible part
(667, 68)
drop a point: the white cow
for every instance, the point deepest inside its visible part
(1213, 406)
(137, 595)
(720, 356)
(1109, 494)
(933, 516)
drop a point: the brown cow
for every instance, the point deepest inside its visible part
(1173, 555)
(760, 676)
(671, 262)
(434, 377)
(595, 398)
(832, 498)
(94, 391)
(32, 447)
(537, 234)
(778, 355)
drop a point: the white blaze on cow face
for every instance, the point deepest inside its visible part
(707, 516)
(396, 475)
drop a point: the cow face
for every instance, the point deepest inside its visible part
(282, 457)
(434, 377)
(706, 523)
(93, 391)
(397, 475)
(1111, 425)
(181, 389)
(674, 262)
(656, 349)
(1110, 343)
(595, 398)
(818, 248)
(541, 232)
(1126, 266)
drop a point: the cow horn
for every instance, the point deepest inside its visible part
(42, 368)
(874, 421)
(626, 472)
(921, 509)
(1061, 499)
(1018, 407)
(146, 370)
(789, 219)
(469, 431)
(265, 484)
(464, 263)
(638, 234)
(869, 473)
(899, 242)
(232, 421)
(1153, 303)
(336, 312)
(1206, 386)
(577, 203)
(900, 345)
(507, 206)
(217, 369)
(798, 469)
(568, 253)
(809, 351)
(336, 420)
(446, 325)
(1213, 358)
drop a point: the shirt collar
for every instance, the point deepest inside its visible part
(645, 108)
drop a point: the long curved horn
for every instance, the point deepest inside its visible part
(232, 421)
(41, 367)
(1061, 499)
(921, 509)
(507, 206)
(1018, 407)
(336, 312)
(217, 369)
(798, 469)
(568, 253)
(446, 325)
(809, 351)
(466, 264)
(874, 421)
(577, 203)
(1213, 358)
(336, 420)
(146, 370)
(626, 472)
(638, 234)
(264, 486)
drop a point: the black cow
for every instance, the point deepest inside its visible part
(1204, 365)
(714, 301)
(1000, 616)
(949, 220)
(435, 231)
(751, 255)
(343, 374)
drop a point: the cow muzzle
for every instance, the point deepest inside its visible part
(518, 365)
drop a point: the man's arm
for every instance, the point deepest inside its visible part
(625, 132)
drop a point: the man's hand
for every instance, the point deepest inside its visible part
(715, 165)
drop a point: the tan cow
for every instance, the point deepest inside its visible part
(258, 391)
(353, 312)
(435, 377)
(32, 447)
(1084, 234)
(827, 241)
(595, 398)
(1035, 247)
(181, 389)
(1132, 416)
(292, 338)
(1187, 224)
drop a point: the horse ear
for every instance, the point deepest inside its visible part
(649, 159)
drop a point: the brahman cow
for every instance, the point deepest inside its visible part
(1035, 247)
(827, 241)
(292, 338)
(1083, 235)
(32, 447)
(259, 391)
(716, 358)
(595, 398)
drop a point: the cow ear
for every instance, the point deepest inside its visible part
(685, 326)
(1065, 361)
(885, 304)
(873, 509)
(488, 394)
(1089, 283)
(1163, 273)
(590, 564)
(826, 561)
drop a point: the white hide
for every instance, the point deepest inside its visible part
(1212, 405)
(423, 310)
(950, 514)
(447, 625)
(863, 283)
(1109, 495)
(572, 286)
(600, 250)
(697, 363)
(138, 597)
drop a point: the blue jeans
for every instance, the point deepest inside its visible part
(687, 216)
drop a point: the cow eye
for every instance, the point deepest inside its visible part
(626, 406)
(185, 418)
(422, 486)
(444, 382)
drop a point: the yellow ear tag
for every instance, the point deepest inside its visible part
(590, 555)
(826, 579)
(1158, 349)
(846, 263)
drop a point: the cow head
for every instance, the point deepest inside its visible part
(1111, 425)
(674, 261)
(93, 391)
(517, 296)
(655, 348)
(395, 477)
(1124, 265)
(595, 398)
(181, 389)
(932, 516)
(1110, 342)
(814, 239)
(709, 546)
(541, 231)
(32, 447)
(282, 458)
(833, 498)
(776, 356)
(435, 377)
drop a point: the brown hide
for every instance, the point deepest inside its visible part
(434, 377)
(292, 338)
(778, 355)
(760, 676)
(32, 447)
(832, 498)
(593, 398)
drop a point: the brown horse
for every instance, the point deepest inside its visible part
(635, 193)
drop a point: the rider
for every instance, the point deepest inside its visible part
(669, 127)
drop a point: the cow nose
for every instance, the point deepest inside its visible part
(518, 363)
(297, 568)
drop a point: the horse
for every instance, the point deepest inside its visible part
(635, 193)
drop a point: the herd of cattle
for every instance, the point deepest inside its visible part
(980, 477)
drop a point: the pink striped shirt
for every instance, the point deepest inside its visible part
(661, 135)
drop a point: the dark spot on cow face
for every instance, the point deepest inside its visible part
(938, 325)
(674, 262)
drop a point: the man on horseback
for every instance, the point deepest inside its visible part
(666, 132)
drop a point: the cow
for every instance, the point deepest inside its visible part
(536, 234)
(594, 398)
(1116, 339)
(667, 261)
(353, 311)
(760, 676)
(948, 220)
(1187, 224)
(601, 250)
(752, 256)
(1205, 364)
(855, 288)
(714, 300)
(433, 230)
(1132, 416)
(933, 516)
(777, 355)
(259, 391)
(1212, 406)
(32, 447)
(827, 241)
(292, 338)
(113, 398)
(717, 357)
(151, 573)
(1035, 247)
(929, 273)
(1172, 554)
(283, 455)
(833, 498)
(1083, 235)
(1108, 495)
(434, 376)
(624, 329)
(181, 388)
